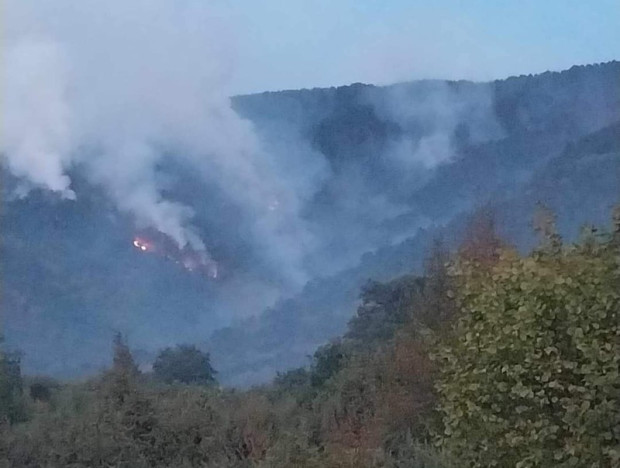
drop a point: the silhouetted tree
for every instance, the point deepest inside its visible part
(11, 407)
(122, 378)
(616, 225)
(184, 364)
(385, 307)
(123, 359)
(40, 392)
(328, 360)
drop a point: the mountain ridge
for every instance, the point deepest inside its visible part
(395, 166)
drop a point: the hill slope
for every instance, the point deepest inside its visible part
(379, 171)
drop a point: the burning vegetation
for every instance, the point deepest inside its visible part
(190, 259)
(142, 244)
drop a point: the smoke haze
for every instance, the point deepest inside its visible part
(122, 92)
(118, 121)
(119, 87)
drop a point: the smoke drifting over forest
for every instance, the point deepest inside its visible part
(123, 121)
(122, 93)
(130, 90)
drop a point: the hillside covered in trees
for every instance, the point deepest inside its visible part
(553, 138)
(368, 177)
(309, 234)
(488, 358)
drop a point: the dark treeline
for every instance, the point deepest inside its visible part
(490, 358)
(349, 160)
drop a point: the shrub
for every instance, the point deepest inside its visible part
(530, 375)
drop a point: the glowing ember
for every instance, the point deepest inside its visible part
(141, 244)
(193, 261)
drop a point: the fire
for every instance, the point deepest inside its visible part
(193, 261)
(141, 244)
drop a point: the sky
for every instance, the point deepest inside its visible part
(289, 44)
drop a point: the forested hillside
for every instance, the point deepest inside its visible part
(370, 176)
(552, 153)
(487, 358)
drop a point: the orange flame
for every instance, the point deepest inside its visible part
(192, 261)
(141, 244)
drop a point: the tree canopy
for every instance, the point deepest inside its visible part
(529, 376)
(184, 364)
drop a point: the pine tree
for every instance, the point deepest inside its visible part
(122, 377)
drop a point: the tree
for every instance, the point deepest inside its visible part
(385, 308)
(42, 388)
(121, 379)
(530, 377)
(544, 223)
(184, 364)
(123, 359)
(616, 226)
(328, 360)
(437, 306)
(481, 243)
(11, 405)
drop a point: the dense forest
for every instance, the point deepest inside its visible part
(367, 177)
(309, 234)
(490, 357)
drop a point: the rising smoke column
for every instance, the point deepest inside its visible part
(36, 129)
(115, 86)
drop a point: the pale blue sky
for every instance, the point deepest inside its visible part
(305, 43)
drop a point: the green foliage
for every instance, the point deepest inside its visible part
(385, 308)
(615, 240)
(481, 244)
(328, 360)
(545, 225)
(120, 382)
(436, 307)
(184, 364)
(525, 374)
(295, 384)
(123, 362)
(292, 380)
(530, 375)
(407, 452)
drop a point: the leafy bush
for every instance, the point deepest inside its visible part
(527, 376)
(530, 375)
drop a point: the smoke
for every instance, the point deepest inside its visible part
(36, 133)
(134, 96)
(119, 88)
(436, 117)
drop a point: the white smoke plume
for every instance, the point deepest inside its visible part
(436, 110)
(113, 86)
(36, 133)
